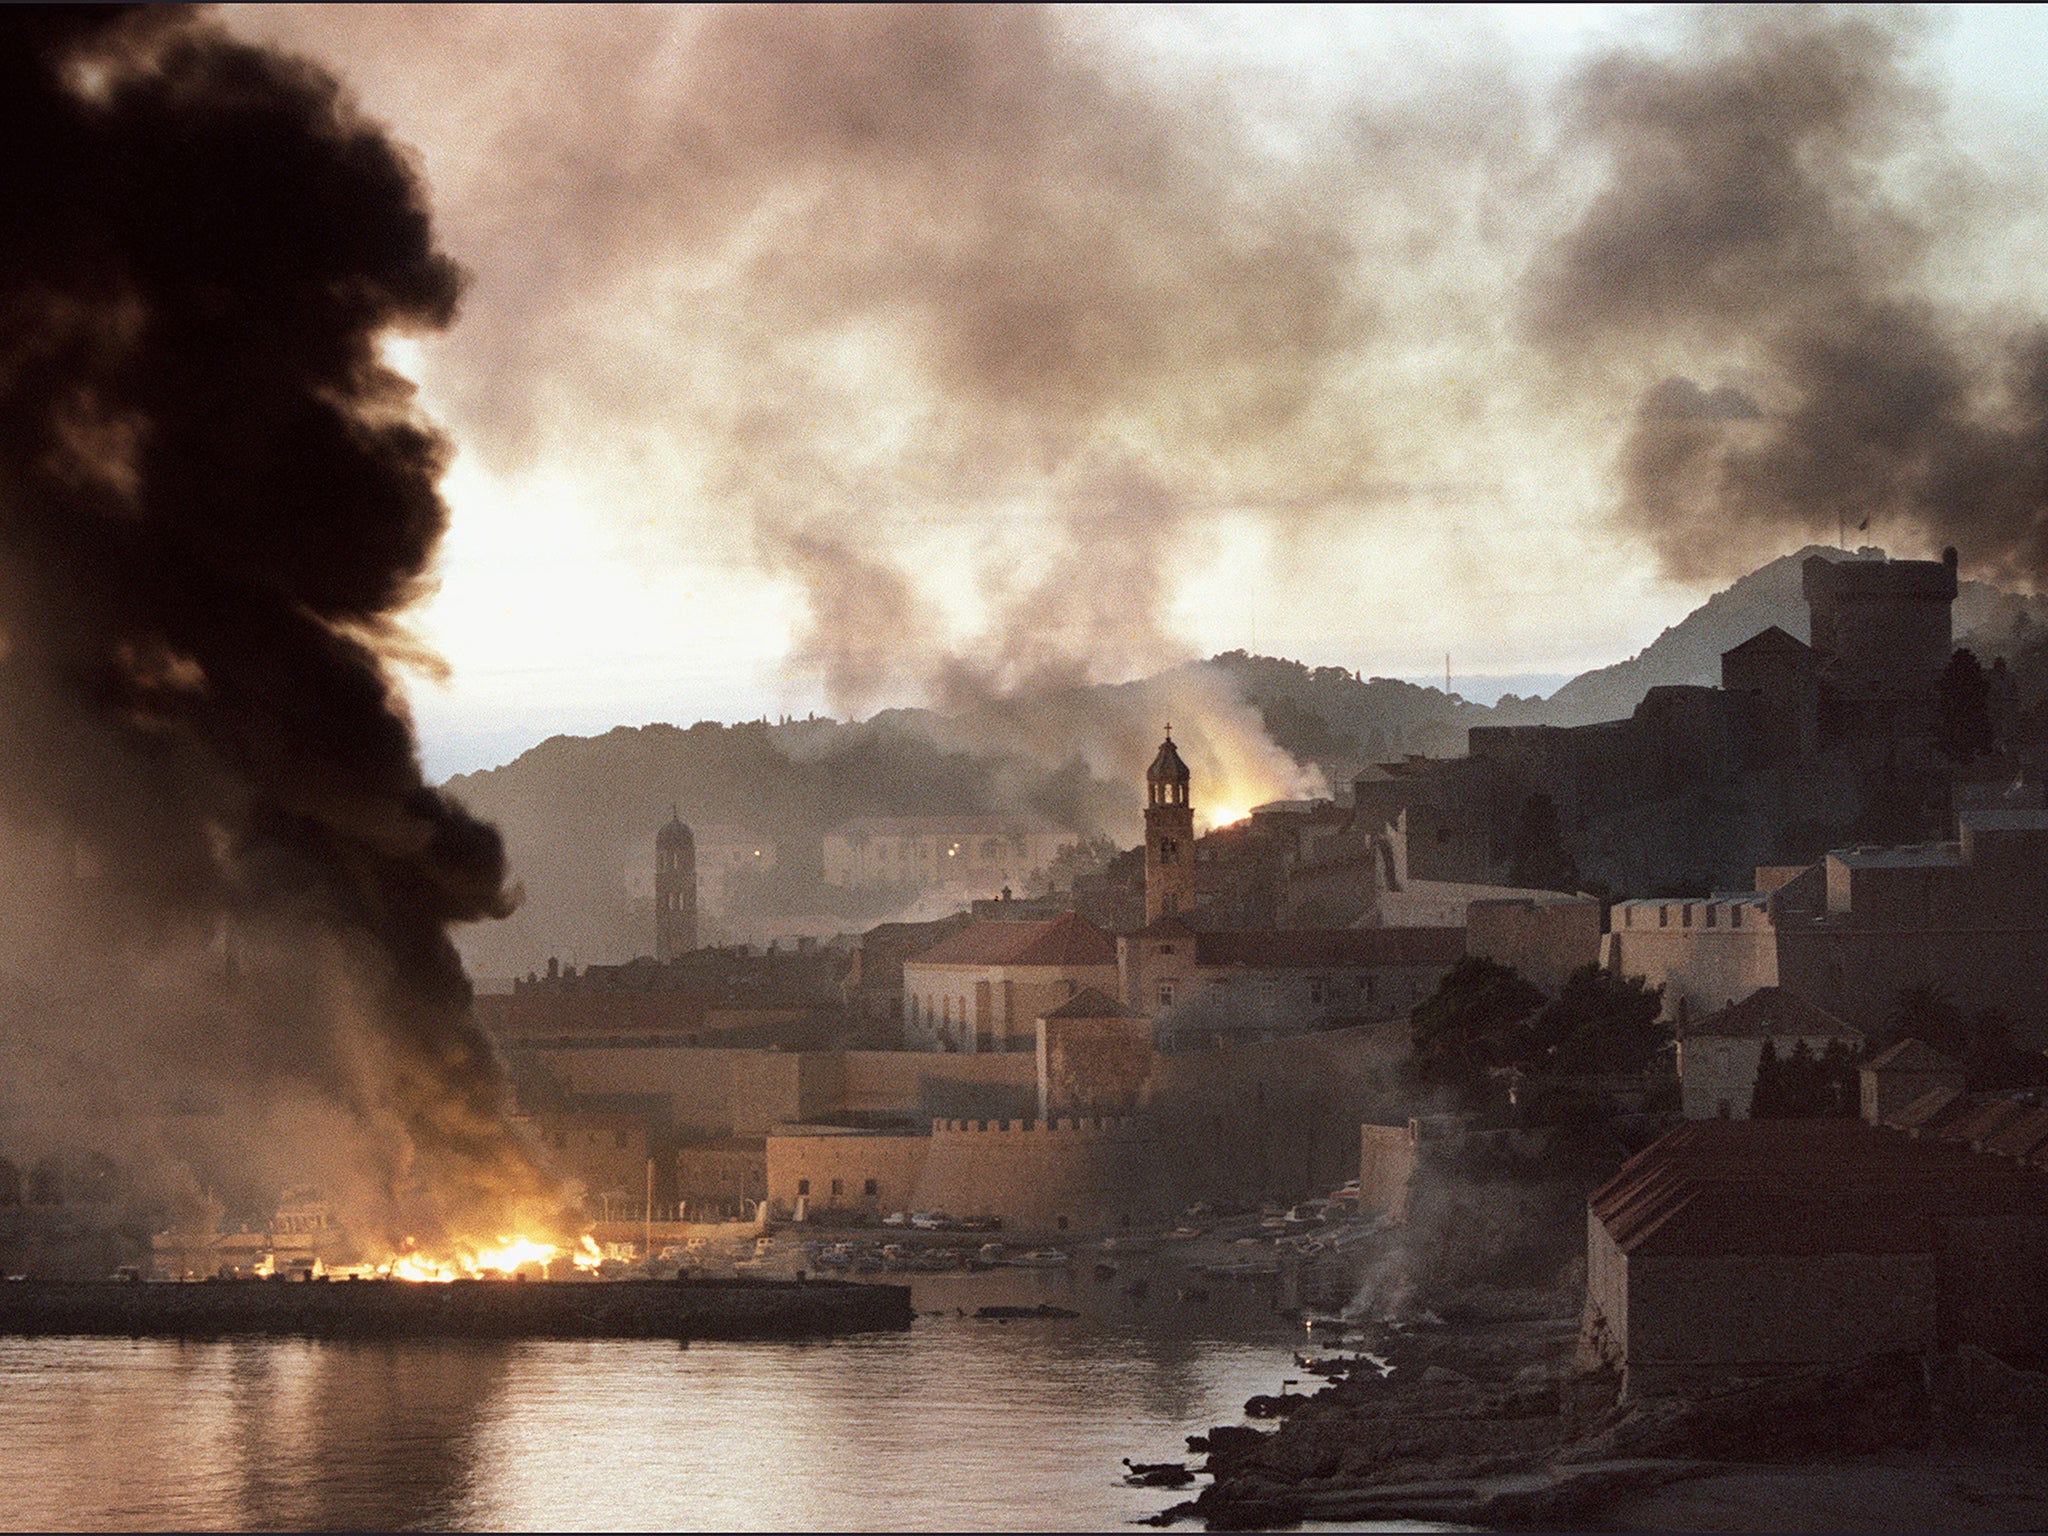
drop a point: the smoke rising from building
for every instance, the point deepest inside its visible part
(1775, 210)
(214, 500)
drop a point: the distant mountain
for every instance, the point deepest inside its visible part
(579, 813)
(1689, 652)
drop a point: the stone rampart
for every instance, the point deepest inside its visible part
(1082, 1174)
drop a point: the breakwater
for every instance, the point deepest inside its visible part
(537, 1309)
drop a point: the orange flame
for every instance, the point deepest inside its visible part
(508, 1256)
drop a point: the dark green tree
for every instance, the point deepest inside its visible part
(1767, 1099)
(1994, 1062)
(1962, 720)
(1928, 1014)
(1598, 1022)
(1471, 1024)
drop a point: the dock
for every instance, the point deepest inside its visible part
(480, 1309)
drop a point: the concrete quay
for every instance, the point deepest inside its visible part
(542, 1309)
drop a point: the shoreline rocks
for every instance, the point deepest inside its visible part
(1489, 1422)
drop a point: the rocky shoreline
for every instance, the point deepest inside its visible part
(1488, 1417)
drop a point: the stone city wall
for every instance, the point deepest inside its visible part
(835, 1169)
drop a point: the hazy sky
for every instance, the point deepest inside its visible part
(804, 358)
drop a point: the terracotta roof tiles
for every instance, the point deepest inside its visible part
(1066, 941)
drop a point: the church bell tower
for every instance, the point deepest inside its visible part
(675, 890)
(1169, 836)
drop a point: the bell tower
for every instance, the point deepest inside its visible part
(675, 890)
(1169, 836)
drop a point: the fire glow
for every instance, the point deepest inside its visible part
(511, 1255)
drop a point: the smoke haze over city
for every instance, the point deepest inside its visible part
(962, 352)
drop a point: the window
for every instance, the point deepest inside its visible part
(1318, 991)
(1663, 917)
(1443, 835)
(1061, 1221)
(871, 1187)
(1166, 994)
(620, 1137)
(838, 1188)
(1735, 917)
(803, 1186)
(1169, 851)
(1710, 915)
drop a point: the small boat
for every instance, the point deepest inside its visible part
(1194, 1293)
(1041, 1258)
(1105, 1272)
(1004, 1314)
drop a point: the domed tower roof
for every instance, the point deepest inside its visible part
(675, 833)
(1167, 768)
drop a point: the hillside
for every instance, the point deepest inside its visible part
(579, 813)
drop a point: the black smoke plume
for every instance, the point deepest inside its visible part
(214, 500)
(1773, 210)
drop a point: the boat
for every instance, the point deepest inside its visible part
(1041, 1258)
(1245, 1269)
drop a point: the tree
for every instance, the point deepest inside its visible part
(1767, 1098)
(1994, 1062)
(1471, 1023)
(1927, 1014)
(1962, 719)
(1598, 1022)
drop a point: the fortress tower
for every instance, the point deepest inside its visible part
(675, 890)
(1169, 836)
(1881, 637)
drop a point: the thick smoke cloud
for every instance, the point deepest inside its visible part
(214, 499)
(955, 319)
(1774, 209)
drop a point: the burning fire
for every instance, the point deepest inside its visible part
(511, 1255)
(1227, 815)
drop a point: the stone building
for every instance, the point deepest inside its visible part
(1718, 1055)
(675, 891)
(1700, 783)
(1849, 933)
(1904, 1075)
(1096, 1058)
(1252, 983)
(1739, 1248)
(822, 1168)
(981, 988)
(977, 855)
(721, 1177)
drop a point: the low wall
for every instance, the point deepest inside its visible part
(688, 1309)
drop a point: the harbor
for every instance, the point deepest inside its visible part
(739, 1308)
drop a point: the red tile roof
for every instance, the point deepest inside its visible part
(2020, 1136)
(1331, 948)
(1911, 1056)
(1932, 1110)
(1066, 941)
(1772, 1011)
(1093, 1003)
(1801, 1187)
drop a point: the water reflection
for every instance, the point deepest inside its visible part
(959, 1423)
